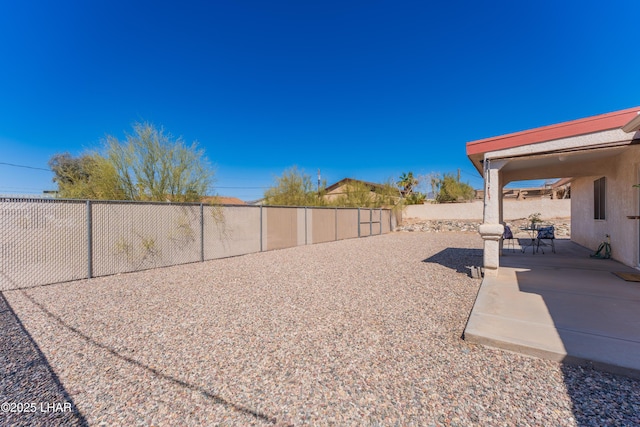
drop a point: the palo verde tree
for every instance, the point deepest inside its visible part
(148, 165)
(356, 194)
(452, 190)
(359, 194)
(153, 165)
(293, 188)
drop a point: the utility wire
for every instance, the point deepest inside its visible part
(241, 188)
(26, 167)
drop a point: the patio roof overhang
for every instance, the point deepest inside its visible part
(574, 148)
(569, 149)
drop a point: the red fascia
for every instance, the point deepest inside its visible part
(584, 126)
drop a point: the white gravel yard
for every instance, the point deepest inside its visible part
(356, 332)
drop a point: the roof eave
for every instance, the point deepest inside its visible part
(633, 125)
(614, 120)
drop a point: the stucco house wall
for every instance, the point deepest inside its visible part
(622, 200)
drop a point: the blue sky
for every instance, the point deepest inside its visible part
(361, 89)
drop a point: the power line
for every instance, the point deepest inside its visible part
(26, 167)
(241, 188)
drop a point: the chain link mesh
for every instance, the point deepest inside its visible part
(43, 241)
(47, 241)
(131, 237)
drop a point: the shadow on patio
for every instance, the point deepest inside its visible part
(566, 307)
(462, 260)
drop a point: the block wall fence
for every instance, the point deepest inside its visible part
(512, 209)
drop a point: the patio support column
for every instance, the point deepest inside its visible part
(491, 229)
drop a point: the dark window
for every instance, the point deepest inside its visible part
(599, 197)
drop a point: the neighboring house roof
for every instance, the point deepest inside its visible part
(345, 181)
(561, 182)
(529, 192)
(223, 200)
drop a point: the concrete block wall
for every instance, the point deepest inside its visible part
(512, 209)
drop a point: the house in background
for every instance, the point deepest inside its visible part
(560, 189)
(601, 154)
(342, 187)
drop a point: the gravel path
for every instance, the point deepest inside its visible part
(357, 332)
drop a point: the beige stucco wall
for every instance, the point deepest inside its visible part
(621, 172)
(559, 208)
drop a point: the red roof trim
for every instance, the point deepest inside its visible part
(584, 126)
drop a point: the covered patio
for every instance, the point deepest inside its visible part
(605, 146)
(565, 306)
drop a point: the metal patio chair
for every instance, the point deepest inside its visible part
(507, 237)
(546, 233)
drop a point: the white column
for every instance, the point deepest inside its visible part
(491, 229)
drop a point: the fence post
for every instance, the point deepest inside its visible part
(89, 241)
(260, 228)
(201, 232)
(359, 222)
(336, 224)
(380, 221)
(305, 226)
(370, 221)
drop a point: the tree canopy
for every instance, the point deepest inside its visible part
(361, 195)
(148, 165)
(89, 176)
(295, 188)
(407, 182)
(292, 188)
(452, 190)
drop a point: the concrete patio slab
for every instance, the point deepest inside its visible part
(565, 306)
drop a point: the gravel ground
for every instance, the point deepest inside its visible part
(357, 332)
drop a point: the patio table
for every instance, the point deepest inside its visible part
(533, 232)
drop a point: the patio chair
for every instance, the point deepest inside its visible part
(546, 233)
(507, 237)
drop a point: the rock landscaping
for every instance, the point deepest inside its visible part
(562, 226)
(355, 332)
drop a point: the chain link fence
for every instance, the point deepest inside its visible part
(47, 241)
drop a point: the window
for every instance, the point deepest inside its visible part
(599, 196)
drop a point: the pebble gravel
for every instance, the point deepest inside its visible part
(355, 332)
